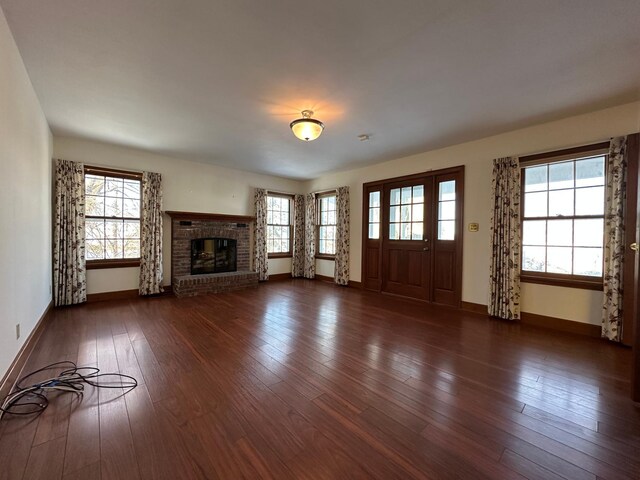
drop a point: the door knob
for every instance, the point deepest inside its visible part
(425, 248)
(634, 246)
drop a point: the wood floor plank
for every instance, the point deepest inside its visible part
(46, 460)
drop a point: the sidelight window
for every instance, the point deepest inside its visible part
(374, 215)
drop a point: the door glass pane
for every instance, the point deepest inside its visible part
(418, 212)
(533, 259)
(559, 259)
(394, 214)
(374, 199)
(395, 196)
(447, 191)
(405, 231)
(418, 194)
(447, 211)
(394, 231)
(590, 171)
(406, 195)
(417, 230)
(374, 215)
(405, 213)
(374, 231)
(535, 178)
(446, 230)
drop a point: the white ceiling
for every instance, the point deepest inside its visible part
(219, 81)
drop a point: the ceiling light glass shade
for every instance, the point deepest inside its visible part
(307, 128)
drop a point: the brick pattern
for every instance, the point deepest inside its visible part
(185, 284)
(190, 285)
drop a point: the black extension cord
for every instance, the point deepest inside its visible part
(32, 399)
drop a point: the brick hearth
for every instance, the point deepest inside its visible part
(187, 226)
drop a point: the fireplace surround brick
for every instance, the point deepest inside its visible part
(186, 226)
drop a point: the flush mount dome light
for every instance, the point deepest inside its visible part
(307, 128)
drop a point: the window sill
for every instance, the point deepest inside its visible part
(558, 281)
(279, 255)
(99, 264)
(324, 256)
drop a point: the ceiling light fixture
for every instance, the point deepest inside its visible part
(307, 128)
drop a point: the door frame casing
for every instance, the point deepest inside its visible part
(379, 185)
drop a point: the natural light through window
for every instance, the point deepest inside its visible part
(563, 224)
(327, 221)
(447, 210)
(278, 224)
(406, 213)
(112, 218)
(374, 215)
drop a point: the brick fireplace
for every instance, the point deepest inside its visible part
(189, 226)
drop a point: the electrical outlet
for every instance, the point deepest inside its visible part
(17, 331)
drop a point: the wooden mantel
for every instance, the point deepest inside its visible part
(214, 217)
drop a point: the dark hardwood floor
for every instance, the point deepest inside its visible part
(302, 379)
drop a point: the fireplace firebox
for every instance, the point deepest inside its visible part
(213, 255)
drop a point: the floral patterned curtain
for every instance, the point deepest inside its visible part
(341, 271)
(297, 262)
(260, 236)
(69, 266)
(151, 273)
(614, 239)
(310, 236)
(504, 297)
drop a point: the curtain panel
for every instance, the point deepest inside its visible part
(260, 235)
(151, 273)
(504, 295)
(341, 270)
(614, 245)
(69, 266)
(297, 262)
(310, 236)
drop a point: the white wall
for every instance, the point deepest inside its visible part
(25, 202)
(187, 186)
(571, 304)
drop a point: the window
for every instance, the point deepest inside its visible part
(563, 219)
(112, 218)
(447, 210)
(327, 221)
(279, 226)
(374, 215)
(406, 213)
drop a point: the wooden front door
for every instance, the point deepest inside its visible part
(406, 261)
(412, 236)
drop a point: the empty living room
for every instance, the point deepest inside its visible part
(339, 240)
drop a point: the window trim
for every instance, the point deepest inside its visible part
(319, 195)
(560, 279)
(114, 262)
(291, 198)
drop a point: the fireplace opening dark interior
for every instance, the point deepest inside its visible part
(213, 255)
